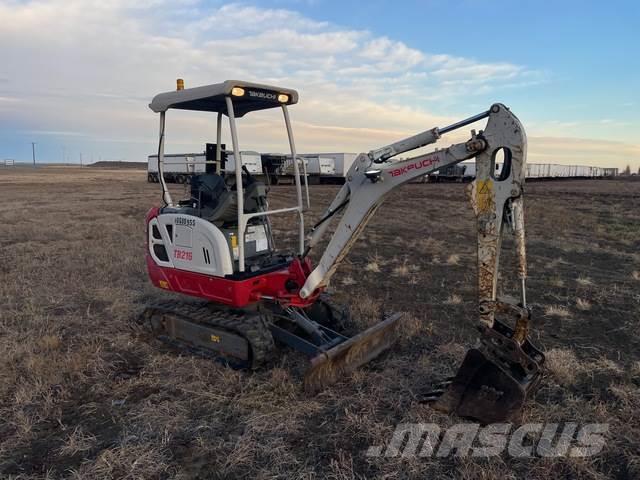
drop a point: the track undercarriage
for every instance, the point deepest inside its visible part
(245, 339)
(238, 338)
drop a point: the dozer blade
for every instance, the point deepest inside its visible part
(333, 364)
(491, 388)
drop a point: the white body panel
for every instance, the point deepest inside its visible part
(196, 245)
(178, 163)
(327, 165)
(469, 169)
(330, 164)
(319, 164)
(311, 164)
(343, 162)
(559, 171)
(537, 170)
(251, 160)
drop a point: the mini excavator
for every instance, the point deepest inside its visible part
(218, 245)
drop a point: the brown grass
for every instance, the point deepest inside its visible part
(563, 365)
(401, 270)
(431, 245)
(453, 299)
(557, 311)
(77, 442)
(372, 266)
(453, 259)
(348, 281)
(85, 396)
(556, 282)
(583, 304)
(584, 281)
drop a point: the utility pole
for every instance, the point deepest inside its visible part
(33, 152)
(80, 159)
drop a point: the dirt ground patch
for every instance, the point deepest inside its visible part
(81, 396)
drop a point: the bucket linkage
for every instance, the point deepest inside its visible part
(332, 354)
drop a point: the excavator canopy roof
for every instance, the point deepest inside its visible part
(246, 96)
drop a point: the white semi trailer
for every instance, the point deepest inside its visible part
(321, 167)
(466, 171)
(319, 164)
(251, 160)
(179, 167)
(342, 162)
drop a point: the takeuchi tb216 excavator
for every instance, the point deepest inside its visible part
(218, 245)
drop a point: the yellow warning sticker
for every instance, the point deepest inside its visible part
(484, 195)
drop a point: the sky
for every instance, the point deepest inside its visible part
(76, 76)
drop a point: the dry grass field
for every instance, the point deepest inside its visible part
(84, 396)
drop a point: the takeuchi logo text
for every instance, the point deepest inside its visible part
(418, 165)
(267, 95)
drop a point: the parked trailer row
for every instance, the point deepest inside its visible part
(333, 167)
(178, 168)
(466, 171)
(320, 167)
(546, 170)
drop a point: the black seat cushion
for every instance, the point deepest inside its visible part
(207, 189)
(216, 201)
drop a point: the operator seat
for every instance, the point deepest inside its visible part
(254, 192)
(217, 197)
(216, 201)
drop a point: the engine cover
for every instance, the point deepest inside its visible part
(189, 243)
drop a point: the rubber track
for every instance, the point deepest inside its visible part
(248, 325)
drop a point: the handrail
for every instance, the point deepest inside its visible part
(272, 212)
(239, 188)
(296, 170)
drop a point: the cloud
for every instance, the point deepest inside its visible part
(582, 151)
(234, 19)
(93, 69)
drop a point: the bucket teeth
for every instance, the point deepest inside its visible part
(331, 365)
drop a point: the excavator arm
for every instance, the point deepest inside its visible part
(364, 191)
(494, 379)
(372, 176)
